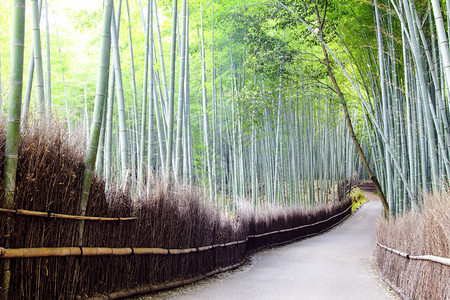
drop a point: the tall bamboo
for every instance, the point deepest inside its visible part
(123, 138)
(205, 115)
(181, 92)
(48, 85)
(161, 60)
(385, 111)
(38, 59)
(150, 147)
(29, 85)
(13, 126)
(133, 84)
(147, 61)
(91, 151)
(442, 37)
(170, 113)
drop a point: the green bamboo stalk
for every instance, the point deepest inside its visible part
(48, 91)
(136, 133)
(187, 111)
(123, 138)
(13, 126)
(108, 130)
(38, 59)
(181, 93)
(214, 101)
(277, 137)
(442, 37)
(99, 166)
(29, 85)
(91, 152)
(148, 59)
(389, 187)
(171, 90)
(150, 164)
(160, 128)
(161, 54)
(109, 137)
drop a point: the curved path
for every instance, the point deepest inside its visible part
(335, 265)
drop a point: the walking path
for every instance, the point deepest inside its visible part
(335, 265)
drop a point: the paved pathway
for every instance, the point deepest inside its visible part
(335, 265)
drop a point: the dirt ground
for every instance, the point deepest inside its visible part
(336, 265)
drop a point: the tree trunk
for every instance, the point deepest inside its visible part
(347, 115)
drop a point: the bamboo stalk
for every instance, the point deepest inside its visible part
(91, 151)
(13, 127)
(38, 59)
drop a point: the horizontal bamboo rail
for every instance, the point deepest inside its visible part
(102, 251)
(298, 227)
(436, 259)
(23, 212)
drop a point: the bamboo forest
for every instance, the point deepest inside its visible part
(148, 145)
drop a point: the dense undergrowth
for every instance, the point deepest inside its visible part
(49, 179)
(418, 233)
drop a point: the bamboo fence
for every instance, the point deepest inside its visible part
(445, 261)
(105, 251)
(167, 238)
(45, 252)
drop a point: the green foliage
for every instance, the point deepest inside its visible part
(358, 198)
(87, 20)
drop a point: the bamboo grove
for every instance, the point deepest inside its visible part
(402, 85)
(194, 104)
(272, 103)
(229, 130)
(410, 109)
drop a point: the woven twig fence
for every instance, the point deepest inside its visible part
(270, 238)
(430, 269)
(105, 251)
